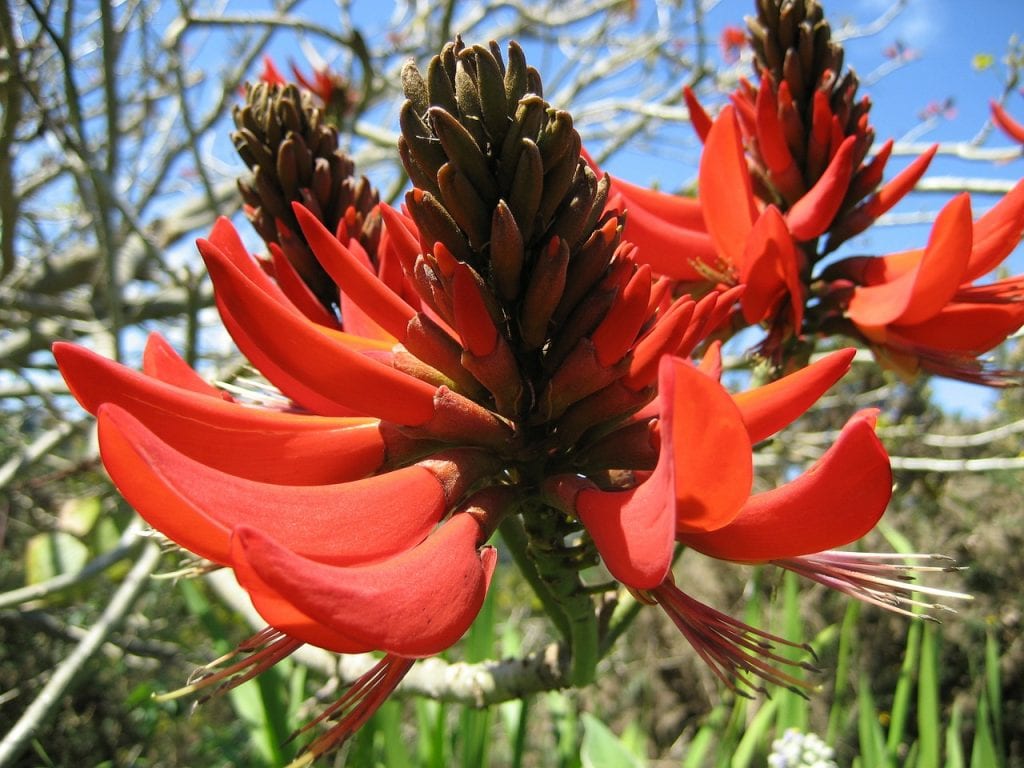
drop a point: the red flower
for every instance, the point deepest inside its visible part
(503, 360)
(923, 308)
(731, 42)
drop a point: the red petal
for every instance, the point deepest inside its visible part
(1010, 127)
(770, 269)
(971, 329)
(197, 506)
(633, 530)
(836, 501)
(671, 250)
(415, 604)
(297, 291)
(259, 443)
(678, 210)
(698, 116)
(160, 361)
(703, 434)
(618, 330)
(920, 293)
(726, 194)
(303, 361)
(225, 239)
(357, 282)
(711, 363)
(997, 233)
(766, 410)
(813, 213)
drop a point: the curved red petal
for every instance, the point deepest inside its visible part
(971, 329)
(699, 117)
(997, 233)
(681, 211)
(224, 239)
(813, 213)
(197, 506)
(620, 326)
(160, 361)
(836, 501)
(765, 410)
(1010, 127)
(703, 434)
(726, 194)
(921, 292)
(273, 446)
(360, 284)
(770, 270)
(295, 288)
(671, 250)
(290, 350)
(414, 604)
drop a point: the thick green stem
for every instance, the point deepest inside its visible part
(558, 565)
(514, 536)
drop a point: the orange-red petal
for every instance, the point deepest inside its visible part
(836, 501)
(767, 409)
(273, 446)
(770, 270)
(414, 604)
(921, 292)
(726, 194)
(703, 433)
(997, 233)
(358, 282)
(160, 361)
(198, 506)
(971, 329)
(305, 363)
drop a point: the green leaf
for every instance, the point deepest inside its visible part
(52, 554)
(982, 61)
(746, 753)
(872, 740)
(78, 516)
(603, 749)
(983, 751)
(954, 741)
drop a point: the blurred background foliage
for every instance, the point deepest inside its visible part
(114, 156)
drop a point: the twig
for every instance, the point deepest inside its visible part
(32, 453)
(39, 711)
(126, 547)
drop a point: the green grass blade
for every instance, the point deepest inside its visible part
(475, 724)
(994, 687)
(983, 750)
(389, 719)
(954, 738)
(902, 697)
(705, 737)
(871, 738)
(842, 701)
(433, 746)
(793, 709)
(752, 746)
(601, 748)
(929, 716)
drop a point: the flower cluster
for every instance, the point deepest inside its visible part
(500, 354)
(785, 179)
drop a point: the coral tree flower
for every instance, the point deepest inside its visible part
(923, 308)
(496, 356)
(785, 179)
